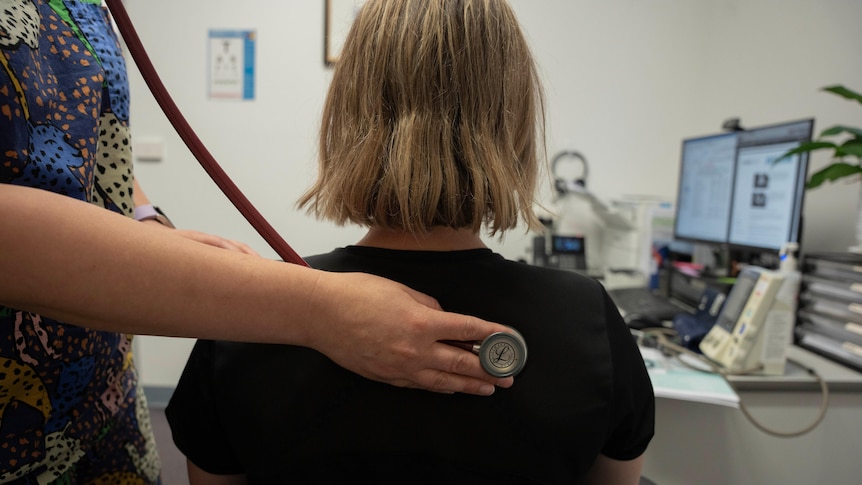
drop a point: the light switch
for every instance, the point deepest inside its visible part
(148, 149)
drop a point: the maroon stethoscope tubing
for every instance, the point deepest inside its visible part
(209, 164)
(136, 48)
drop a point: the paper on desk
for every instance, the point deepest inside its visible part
(672, 379)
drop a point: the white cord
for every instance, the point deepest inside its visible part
(664, 343)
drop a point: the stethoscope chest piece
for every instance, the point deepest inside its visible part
(502, 354)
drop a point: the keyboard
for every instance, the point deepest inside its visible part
(643, 301)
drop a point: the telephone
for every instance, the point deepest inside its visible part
(574, 231)
(564, 252)
(755, 326)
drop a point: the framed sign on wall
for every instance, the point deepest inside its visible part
(338, 17)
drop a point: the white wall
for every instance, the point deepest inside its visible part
(626, 80)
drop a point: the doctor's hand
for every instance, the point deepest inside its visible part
(387, 332)
(216, 241)
(208, 239)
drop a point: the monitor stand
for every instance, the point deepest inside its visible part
(714, 258)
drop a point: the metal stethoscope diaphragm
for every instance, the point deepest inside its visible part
(502, 354)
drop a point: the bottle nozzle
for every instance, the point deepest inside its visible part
(787, 257)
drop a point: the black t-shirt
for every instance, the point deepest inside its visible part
(284, 414)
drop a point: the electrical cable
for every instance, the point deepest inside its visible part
(185, 131)
(663, 342)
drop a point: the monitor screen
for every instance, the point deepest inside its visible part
(766, 208)
(703, 203)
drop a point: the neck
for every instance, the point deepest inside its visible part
(437, 239)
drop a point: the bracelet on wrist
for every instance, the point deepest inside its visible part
(150, 212)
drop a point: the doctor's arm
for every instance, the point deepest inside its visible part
(68, 260)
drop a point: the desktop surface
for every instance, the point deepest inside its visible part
(643, 307)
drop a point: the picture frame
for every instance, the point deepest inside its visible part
(338, 17)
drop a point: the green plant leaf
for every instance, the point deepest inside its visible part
(844, 92)
(832, 172)
(852, 148)
(810, 146)
(841, 154)
(838, 129)
(807, 147)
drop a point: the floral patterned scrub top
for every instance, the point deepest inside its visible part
(71, 410)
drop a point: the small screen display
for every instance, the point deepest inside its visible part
(737, 299)
(568, 245)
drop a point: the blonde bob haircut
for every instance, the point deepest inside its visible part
(433, 118)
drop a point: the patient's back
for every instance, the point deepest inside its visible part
(288, 412)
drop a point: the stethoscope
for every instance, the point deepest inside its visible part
(502, 354)
(185, 131)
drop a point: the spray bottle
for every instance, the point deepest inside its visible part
(779, 324)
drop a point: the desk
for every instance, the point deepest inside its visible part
(795, 378)
(698, 443)
(707, 444)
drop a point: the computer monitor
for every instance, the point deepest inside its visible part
(767, 197)
(705, 190)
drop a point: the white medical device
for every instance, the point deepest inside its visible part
(755, 327)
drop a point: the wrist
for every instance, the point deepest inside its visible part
(149, 212)
(314, 290)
